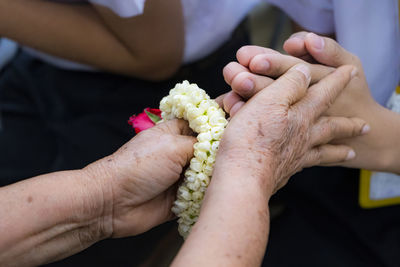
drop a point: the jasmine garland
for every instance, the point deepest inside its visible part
(206, 118)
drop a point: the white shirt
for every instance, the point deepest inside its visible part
(208, 24)
(367, 28)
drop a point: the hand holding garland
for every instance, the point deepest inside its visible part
(132, 190)
(275, 134)
(52, 216)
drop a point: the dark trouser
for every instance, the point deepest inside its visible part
(323, 225)
(53, 119)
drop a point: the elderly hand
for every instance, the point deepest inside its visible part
(281, 129)
(355, 101)
(276, 133)
(142, 176)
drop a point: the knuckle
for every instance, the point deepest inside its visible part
(324, 100)
(334, 127)
(318, 156)
(349, 127)
(295, 80)
(355, 60)
(342, 154)
(337, 54)
(240, 77)
(355, 129)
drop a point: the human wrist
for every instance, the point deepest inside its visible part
(234, 220)
(99, 179)
(235, 170)
(245, 164)
(389, 149)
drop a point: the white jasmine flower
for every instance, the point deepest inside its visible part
(206, 118)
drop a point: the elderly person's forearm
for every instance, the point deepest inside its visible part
(234, 223)
(273, 136)
(50, 217)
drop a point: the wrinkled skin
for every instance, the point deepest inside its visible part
(374, 151)
(143, 174)
(285, 130)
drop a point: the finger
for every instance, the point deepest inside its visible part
(331, 128)
(236, 108)
(183, 149)
(274, 65)
(247, 84)
(290, 87)
(296, 47)
(327, 51)
(230, 100)
(322, 95)
(231, 70)
(154, 211)
(176, 126)
(246, 53)
(220, 100)
(329, 155)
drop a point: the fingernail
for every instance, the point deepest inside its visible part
(354, 72)
(263, 65)
(351, 155)
(365, 129)
(248, 85)
(316, 41)
(305, 70)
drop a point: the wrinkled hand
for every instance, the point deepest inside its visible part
(280, 129)
(354, 101)
(143, 175)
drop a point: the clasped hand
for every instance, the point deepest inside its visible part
(280, 130)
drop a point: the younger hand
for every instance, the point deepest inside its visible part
(357, 99)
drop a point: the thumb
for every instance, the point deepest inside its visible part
(328, 52)
(175, 126)
(183, 149)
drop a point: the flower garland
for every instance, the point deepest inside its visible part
(206, 118)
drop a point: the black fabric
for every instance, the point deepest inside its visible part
(53, 119)
(323, 225)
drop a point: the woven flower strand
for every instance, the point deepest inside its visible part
(206, 118)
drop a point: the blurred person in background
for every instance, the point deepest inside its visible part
(85, 66)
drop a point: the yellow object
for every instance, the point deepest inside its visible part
(366, 177)
(368, 197)
(365, 200)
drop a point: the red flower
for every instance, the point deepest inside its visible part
(147, 119)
